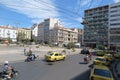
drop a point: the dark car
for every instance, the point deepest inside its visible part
(84, 51)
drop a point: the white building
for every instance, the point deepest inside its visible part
(41, 31)
(114, 24)
(8, 32)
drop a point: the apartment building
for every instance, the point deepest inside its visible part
(80, 36)
(61, 35)
(23, 33)
(114, 25)
(41, 31)
(8, 32)
(96, 26)
(35, 32)
(50, 31)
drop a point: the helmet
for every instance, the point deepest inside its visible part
(6, 62)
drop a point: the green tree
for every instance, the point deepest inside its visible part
(21, 37)
(9, 40)
(71, 45)
(101, 47)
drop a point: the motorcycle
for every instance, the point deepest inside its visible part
(31, 58)
(4, 75)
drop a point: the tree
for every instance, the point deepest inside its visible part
(101, 47)
(71, 45)
(20, 36)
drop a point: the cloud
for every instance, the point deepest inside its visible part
(116, 1)
(79, 19)
(85, 2)
(34, 9)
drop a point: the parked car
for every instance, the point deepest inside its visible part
(84, 51)
(54, 56)
(100, 52)
(101, 61)
(116, 55)
(93, 51)
(109, 57)
(101, 73)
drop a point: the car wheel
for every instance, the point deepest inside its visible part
(64, 59)
(55, 60)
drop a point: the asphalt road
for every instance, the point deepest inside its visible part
(70, 69)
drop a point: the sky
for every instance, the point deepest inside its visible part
(25, 13)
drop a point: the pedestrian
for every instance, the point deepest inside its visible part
(25, 51)
(90, 55)
(86, 59)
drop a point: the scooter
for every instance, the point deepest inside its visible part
(31, 58)
(4, 76)
(86, 61)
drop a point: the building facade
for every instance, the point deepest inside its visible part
(80, 36)
(114, 23)
(63, 36)
(8, 32)
(51, 32)
(35, 33)
(23, 33)
(96, 23)
(41, 31)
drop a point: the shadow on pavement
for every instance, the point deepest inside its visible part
(86, 75)
(91, 65)
(83, 63)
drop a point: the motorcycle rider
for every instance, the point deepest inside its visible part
(7, 69)
(31, 57)
(86, 58)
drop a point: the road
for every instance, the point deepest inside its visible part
(70, 69)
(16, 53)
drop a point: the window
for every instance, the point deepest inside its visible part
(102, 72)
(113, 11)
(56, 54)
(115, 19)
(100, 59)
(115, 15)
(115, 6)
(115, 24)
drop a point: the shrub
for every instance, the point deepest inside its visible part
(70, 45)
(64, 51)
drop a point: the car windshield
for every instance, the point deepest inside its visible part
(100, 59)
(101, 72)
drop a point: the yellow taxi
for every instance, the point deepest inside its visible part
(101, 61)
(54, 56)
(109, 57)
(100, 52)
(101, 73)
